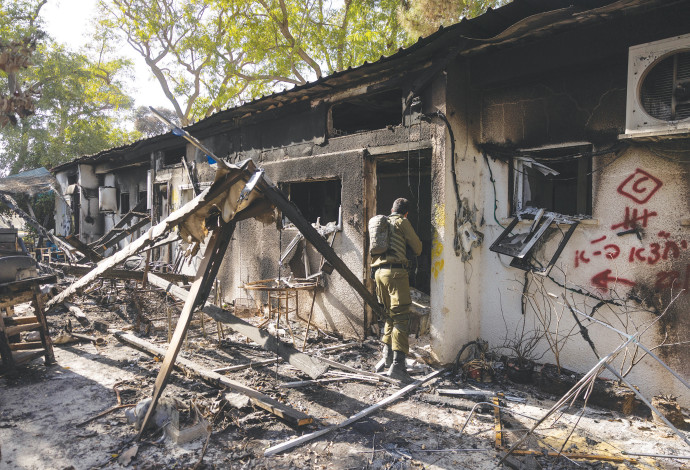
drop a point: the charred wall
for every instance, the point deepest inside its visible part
(631, 257)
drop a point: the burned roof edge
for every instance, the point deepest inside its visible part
(507, 23)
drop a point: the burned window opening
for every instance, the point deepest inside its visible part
(124, 203)
(366, 113)
(522, 246)
(557, 179)
(317, 200)
(174, 156)
(142, 196)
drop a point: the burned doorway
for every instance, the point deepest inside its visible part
(408, 175)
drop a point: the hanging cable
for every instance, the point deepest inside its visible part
(493, 182)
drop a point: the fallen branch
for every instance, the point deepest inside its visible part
(365, 412)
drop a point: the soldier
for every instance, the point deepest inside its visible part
(393, 289)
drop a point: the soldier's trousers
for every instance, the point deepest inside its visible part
(393, 290)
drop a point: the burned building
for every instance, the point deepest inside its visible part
(579, 108)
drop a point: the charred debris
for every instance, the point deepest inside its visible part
(242, 368)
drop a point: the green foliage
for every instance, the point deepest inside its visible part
(79, 104)
(421, 18)
(212, 54)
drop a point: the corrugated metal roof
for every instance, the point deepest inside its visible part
(516, 21)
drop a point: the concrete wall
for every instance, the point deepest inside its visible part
(91, 227)
(255, 249)
(549, 106)
(62, 212)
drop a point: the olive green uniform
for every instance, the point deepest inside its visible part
(393, 284)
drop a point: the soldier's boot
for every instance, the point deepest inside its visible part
(398, 369)
(386, 360)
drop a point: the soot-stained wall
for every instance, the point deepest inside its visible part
(629, 263)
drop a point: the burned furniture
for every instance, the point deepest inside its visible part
(13, 349)
(521, 246)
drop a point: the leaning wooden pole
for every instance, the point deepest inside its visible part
(198, 293)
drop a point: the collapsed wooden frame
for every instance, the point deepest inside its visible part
(238, 193)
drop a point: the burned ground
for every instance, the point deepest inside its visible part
(44, 410)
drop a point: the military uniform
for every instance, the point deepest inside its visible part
(392, 282)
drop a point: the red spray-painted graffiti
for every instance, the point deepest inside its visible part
(639, 187)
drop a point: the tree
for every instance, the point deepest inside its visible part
(18, 37)
(421, 18)
(77, 99)
(148, 124)
(212, 54)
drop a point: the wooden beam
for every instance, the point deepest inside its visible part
(121, 223)
(291, 211)
(124, 233)
(83, 248)
(206, 274)
(130, 274)
(279, 409)
(311, 366)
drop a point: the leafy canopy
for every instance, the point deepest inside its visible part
(211, 54)
(78, 101)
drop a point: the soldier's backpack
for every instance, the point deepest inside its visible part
(379, 234)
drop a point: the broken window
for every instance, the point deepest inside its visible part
(522, 246)
(366, 113)
(124, 203)
(557, 179)
(174, 156)
(317, 200)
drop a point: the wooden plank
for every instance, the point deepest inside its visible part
(291, 211)
(130, 274)
(365, 412)
(311, 366)
(12, 321)
(26, 345)
(83, 248)
(121, 223)
(13, 330)
(262, 362)
(264, 401)
(124, 233)
(5, 351)
(39, 310)
(206, 274)
(198, 203)
(78, 313)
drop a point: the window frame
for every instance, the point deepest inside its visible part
(583, 196)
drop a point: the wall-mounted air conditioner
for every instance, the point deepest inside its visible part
(659, 88)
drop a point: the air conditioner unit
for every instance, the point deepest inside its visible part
(659, 88)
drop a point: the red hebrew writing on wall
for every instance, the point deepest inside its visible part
(639, 187)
